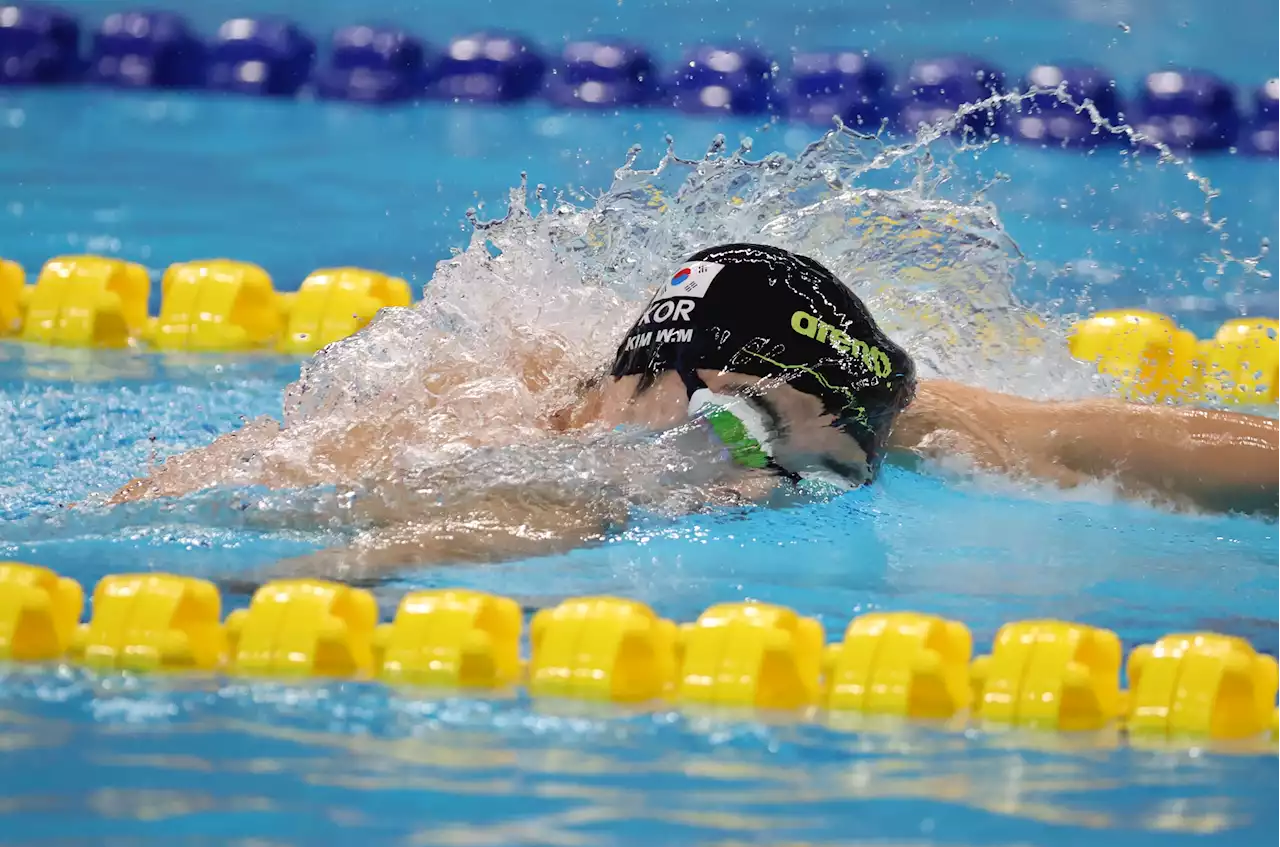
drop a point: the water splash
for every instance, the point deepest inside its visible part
(934, 263)
(509, 328)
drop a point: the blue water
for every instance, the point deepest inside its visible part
(295, 186)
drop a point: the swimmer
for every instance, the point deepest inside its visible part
(768, 355)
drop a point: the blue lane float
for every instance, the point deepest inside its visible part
(266, 57)
(373, 65)
(937, 87)
(1260, 136)
(1188, 109)
(489, 67)
(1184, 109)
(39, 45)
(714, 79)
(845, 84)
(602, 74)
(146, 50)
(1048, 121)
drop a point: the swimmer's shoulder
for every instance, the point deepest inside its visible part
(995, 431)
(941, 405)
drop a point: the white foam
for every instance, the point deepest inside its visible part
(539, 300)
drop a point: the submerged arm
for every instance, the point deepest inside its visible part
(1212, 460)
(497, 526)
(494, 525)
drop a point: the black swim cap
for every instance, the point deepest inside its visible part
(763, 311)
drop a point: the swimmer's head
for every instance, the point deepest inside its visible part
(782, 359)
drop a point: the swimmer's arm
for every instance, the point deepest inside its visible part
(1212, 460)
(495, 527)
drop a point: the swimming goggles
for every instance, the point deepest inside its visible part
(747, 426)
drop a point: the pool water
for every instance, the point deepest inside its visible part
(296, 186)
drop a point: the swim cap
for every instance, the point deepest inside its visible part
(763, 311)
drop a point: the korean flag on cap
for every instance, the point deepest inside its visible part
(692, 280)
